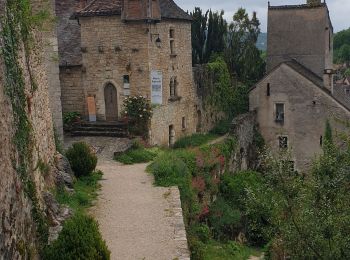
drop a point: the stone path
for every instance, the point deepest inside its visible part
(138, 220)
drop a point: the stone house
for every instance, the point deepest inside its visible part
(296, 97)
(112, 49)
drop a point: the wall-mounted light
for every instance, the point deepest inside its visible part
(159, 42)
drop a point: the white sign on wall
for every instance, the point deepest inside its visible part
(157, 87)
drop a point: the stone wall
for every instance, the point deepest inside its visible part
(73, 98)
(307, 108)
(17, 228)
(305, 36)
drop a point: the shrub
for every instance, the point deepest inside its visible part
(138, 111)
(136, 154)
(169, 170)
(221, 128)
(201, 231)
(82, 159)
(79, 239)
(193, 140)
(69, 118)
(224, 219)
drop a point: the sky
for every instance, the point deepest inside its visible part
(339, 9)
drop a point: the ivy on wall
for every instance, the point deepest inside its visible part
(17, 23)
(224, 95)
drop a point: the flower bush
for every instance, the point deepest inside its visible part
(138, 112)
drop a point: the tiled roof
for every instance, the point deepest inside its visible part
(342, 93)
(304, 6)
(169, 9)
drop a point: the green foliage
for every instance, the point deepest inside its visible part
(221, 128)
(241, 54)
(138, 111)
(79, 239)
(85, 192)
(69, 118)
(328, 136)
(341, 46)
(201, 231)
(224, 219)
(58, 142)
(82, 159)
(208, 34)
(193, 140)
(169, 170)
(137, 154)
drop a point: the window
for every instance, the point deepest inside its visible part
(126, 85)
(183, 123)
(172, 47)
(321, 140)
(279, 113)
(171, 33)
(173, 86)
(347, 91)
(283, 142)
(268, 89)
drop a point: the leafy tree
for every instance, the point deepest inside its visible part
(241, 54)
(199, 35)
(341, 46)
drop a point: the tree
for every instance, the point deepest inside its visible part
(241, 54)
(208, 34)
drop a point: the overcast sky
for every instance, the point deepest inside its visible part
(339, 9)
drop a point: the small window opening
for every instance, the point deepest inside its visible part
(268, 89)
(279, 113)
(172, 33)
(126, 79)
(283, 142)
(183, 122)
(347, 91)
(321, 140)
(173, 87)
(172, 47)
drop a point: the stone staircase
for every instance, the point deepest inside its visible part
(110, 129)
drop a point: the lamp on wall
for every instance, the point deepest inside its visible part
(159, 42)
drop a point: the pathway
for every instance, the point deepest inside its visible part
(138, 220)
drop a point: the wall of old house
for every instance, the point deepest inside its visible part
(307, 108)
(304, 36)
(73, 98)
(112, 48)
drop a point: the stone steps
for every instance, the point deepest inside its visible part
(110, 129)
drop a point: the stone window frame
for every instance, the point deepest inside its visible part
(172, 44)
(173, 87)
(268, 89)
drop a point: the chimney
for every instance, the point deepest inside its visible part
(313, 2)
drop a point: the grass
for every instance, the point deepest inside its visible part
(231, 251)
(85, 192)
(194, 140)
(137, 155)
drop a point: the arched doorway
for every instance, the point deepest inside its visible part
(111, 102)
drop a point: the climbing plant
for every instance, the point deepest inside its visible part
(17, 23)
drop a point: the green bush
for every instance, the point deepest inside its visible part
(201, 231)
(193, 140)
(221, 128)
(69, 118)
(169, 170)
(79, 239)
(82, 159)
(136, 154)
(224, 219)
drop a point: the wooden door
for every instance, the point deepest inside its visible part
(111, 103)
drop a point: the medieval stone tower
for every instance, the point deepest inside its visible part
(289, 38)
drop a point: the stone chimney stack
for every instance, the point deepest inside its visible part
(313, 2)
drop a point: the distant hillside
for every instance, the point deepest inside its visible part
(262, 42)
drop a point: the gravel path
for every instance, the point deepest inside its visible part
(138, 220)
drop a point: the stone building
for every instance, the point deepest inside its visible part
(122, 48)
(295, 99)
